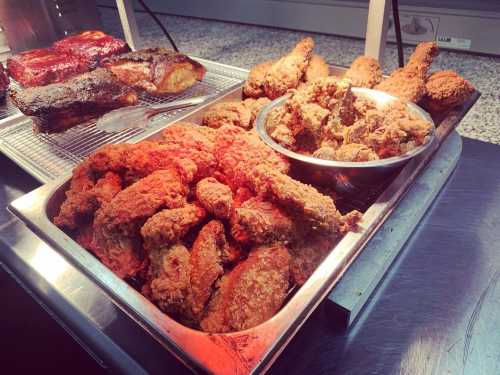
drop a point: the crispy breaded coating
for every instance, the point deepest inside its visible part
(228, 113)
(237, 152)
(116, 225)
(206, 265)
(355, 152)
(446, 89)
(279, 125)
(215, 197)
(255, 106)
(287, 72)
(317, 68)
(408, 83)
(365, 71)
(170, 225)
(307, 254)
(251, 293)
(318, 209)
(254, 85)
(190, 134)
(260, 222)
(84, 197)
(169, 273)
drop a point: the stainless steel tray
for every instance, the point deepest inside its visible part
(49, 156)
(253, 350)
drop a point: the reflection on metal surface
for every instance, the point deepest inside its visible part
(49, 263)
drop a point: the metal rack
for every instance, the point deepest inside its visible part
(49, 156)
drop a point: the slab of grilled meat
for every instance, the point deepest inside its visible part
(91, 46)
(42, 66)
(156, 70)
(59, 106)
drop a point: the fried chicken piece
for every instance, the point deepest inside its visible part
(287, 72)
(325, 152)
(206, 265)
(416, 129)
(169, 273)
(355, 152)
(365, 71)
(317, 68)
(237, 152)
(279, 125)
(446, 89)
(251, 293)
(170, 225)
(84, 197)
(255, 106)
(260, 222)
(254, 85)
(215, 197)
(228, 113)
(408, 83)
(116, 226)
(190, 134)
(316, 208)
(307, 254)
(84, 236)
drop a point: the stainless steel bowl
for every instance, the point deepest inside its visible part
(345, 176)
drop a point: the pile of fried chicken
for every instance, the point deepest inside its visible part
(208, 219)
(323, 118)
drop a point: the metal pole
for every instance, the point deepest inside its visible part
(376, 29)
(129, 24)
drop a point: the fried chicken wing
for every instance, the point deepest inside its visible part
(237, 152)
(260, 222)
(116, 225)
(317, 68)
(169, 273)
(319, 210)
(408, 83)
(170, 225)
(365, 71)
(84, 197)
(446, 89)
(228, 113)
(206, 264)
(255, 106)
(251, 293)
(215, 197)
(287, 72)
(254, 85)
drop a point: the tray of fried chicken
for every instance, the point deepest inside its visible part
(206, 235)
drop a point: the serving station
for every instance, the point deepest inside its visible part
(126, 332)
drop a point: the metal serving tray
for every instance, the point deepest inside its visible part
(49, 156)
(244, 352)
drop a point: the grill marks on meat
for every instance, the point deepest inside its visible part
(59, 106)
(156, 70)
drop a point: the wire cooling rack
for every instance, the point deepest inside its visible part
(50, 156)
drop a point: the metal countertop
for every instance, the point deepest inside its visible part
(436, 312)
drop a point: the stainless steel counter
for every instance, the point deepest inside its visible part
(437, 311)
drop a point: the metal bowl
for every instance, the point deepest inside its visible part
(346, 176)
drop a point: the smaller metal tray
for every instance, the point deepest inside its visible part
(47, 157)
(252, 350)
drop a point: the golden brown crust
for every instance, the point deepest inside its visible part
(365, 71)
(254, 85)
(317, 68)
(287, 72)
(228, 113)
(446, 89)
(215, 197)
(251, 293)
